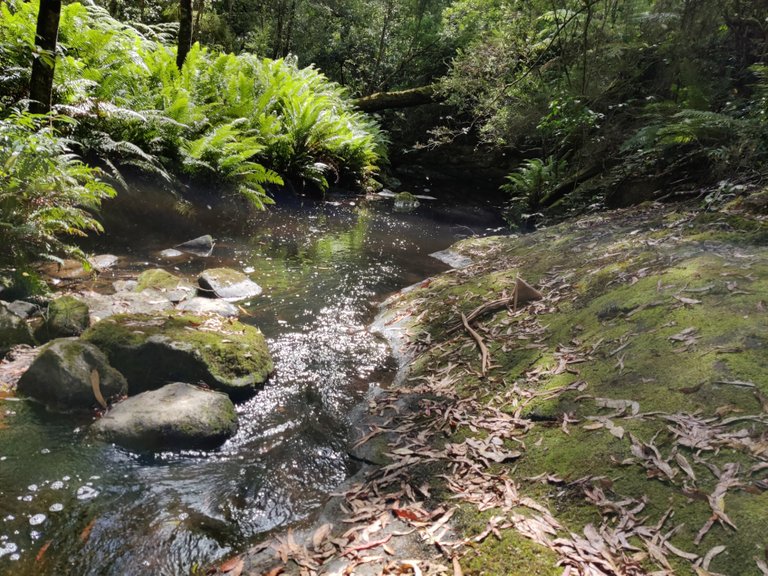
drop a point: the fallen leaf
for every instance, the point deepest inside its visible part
(42, 551)
(687, 301)
(231, 564)
(321, 534)
(710, 555)
(97, 388)
(87, 531)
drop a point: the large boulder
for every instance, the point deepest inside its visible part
(176, 417)
(60, 377)
(13, 330)
(154, 349)
(228, 284)
(67, 316)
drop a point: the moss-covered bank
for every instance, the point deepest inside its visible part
(638, 385)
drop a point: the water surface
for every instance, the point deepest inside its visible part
(70, 505)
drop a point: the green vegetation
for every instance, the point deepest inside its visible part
(45, 192)
(641, 98)
(122, 104)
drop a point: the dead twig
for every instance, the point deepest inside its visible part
(484, 355)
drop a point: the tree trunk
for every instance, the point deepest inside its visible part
(402, 99)
(46, 35)
(185, 31)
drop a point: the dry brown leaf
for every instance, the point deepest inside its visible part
(321, 534)
(97, 388)
(710, 556)
(687, 301)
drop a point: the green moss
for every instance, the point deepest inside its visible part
(511, 554)
(157, 279)
(662, 308)
(224, 353)
(405, 197)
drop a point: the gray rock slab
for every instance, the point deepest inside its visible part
(13, 330)
(106, 305)
(199, 305)
(103, 261)
(200, 246)
(23, 309)
(228, 284)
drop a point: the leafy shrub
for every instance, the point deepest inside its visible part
(134, 107)
(528, 186)
(46, 193)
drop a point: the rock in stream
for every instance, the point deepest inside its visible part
(154, 349)
(178, 416)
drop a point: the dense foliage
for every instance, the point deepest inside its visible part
(240, 120)
(45, 192)
(640, 97)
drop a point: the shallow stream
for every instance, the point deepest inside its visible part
(69, 505)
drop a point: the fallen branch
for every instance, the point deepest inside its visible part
(484, 356)
(522, 293)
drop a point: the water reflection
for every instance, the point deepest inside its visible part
(69, 505)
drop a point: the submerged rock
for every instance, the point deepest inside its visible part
(13, 329)
(170, 253)
(200, 246)
(153, 349)
(67, 316)
(175, 417)
(60, 377)
(228, 284)
(405, 201)
(199, 305)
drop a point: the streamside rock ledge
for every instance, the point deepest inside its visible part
(178, 416)
(154, 349)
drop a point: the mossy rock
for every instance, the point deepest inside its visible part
(60, 377)
(67, 316)
(666, 309)
(405, 201)
(405, 197)
(178, 416)
(13, 330)
(154, 349)
(169, 285)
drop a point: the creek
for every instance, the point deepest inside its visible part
(70, 505)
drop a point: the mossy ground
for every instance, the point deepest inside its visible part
(658, 306)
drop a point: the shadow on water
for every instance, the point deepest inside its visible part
(71, 505)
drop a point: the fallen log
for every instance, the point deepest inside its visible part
(399, 99)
